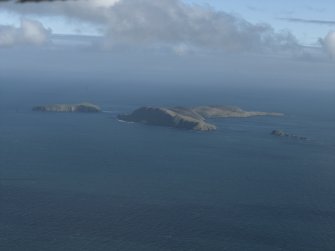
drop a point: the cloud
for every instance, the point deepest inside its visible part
(29, 32)
(172, 22)
(168, 24)
(27, 1)
(329, 43)
(91, 11)
(311, 21)
(94, 2)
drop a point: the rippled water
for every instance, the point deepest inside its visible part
(89, 182)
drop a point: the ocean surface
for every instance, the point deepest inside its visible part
(89, 182)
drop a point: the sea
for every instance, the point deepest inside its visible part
(88, 182)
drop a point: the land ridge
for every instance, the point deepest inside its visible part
(193, 118)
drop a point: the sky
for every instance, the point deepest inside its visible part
(275, 13)
(171, 37)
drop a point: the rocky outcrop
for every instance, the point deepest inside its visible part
(280, 133)
(229, 112)
(167, 117)
(187, 118)
(82, 107)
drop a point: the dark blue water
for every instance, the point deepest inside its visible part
(89, 182)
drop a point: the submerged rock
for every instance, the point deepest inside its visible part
(82, 107)
(280, 133)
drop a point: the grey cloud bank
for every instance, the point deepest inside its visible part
(171, 22)
(170, 25)
(182, 27)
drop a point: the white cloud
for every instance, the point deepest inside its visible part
(29, 32)
(103, 3)
(329, 43)
(174, 23)
(33, 32)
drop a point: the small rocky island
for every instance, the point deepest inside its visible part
(280, 133)
(82, 107)
(187, 118)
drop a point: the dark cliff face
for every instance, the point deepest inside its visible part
(149, 115)
(166, 117)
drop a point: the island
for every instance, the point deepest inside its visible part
(82, 107)
(167, 117)
(280, 133)
(187, 118)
